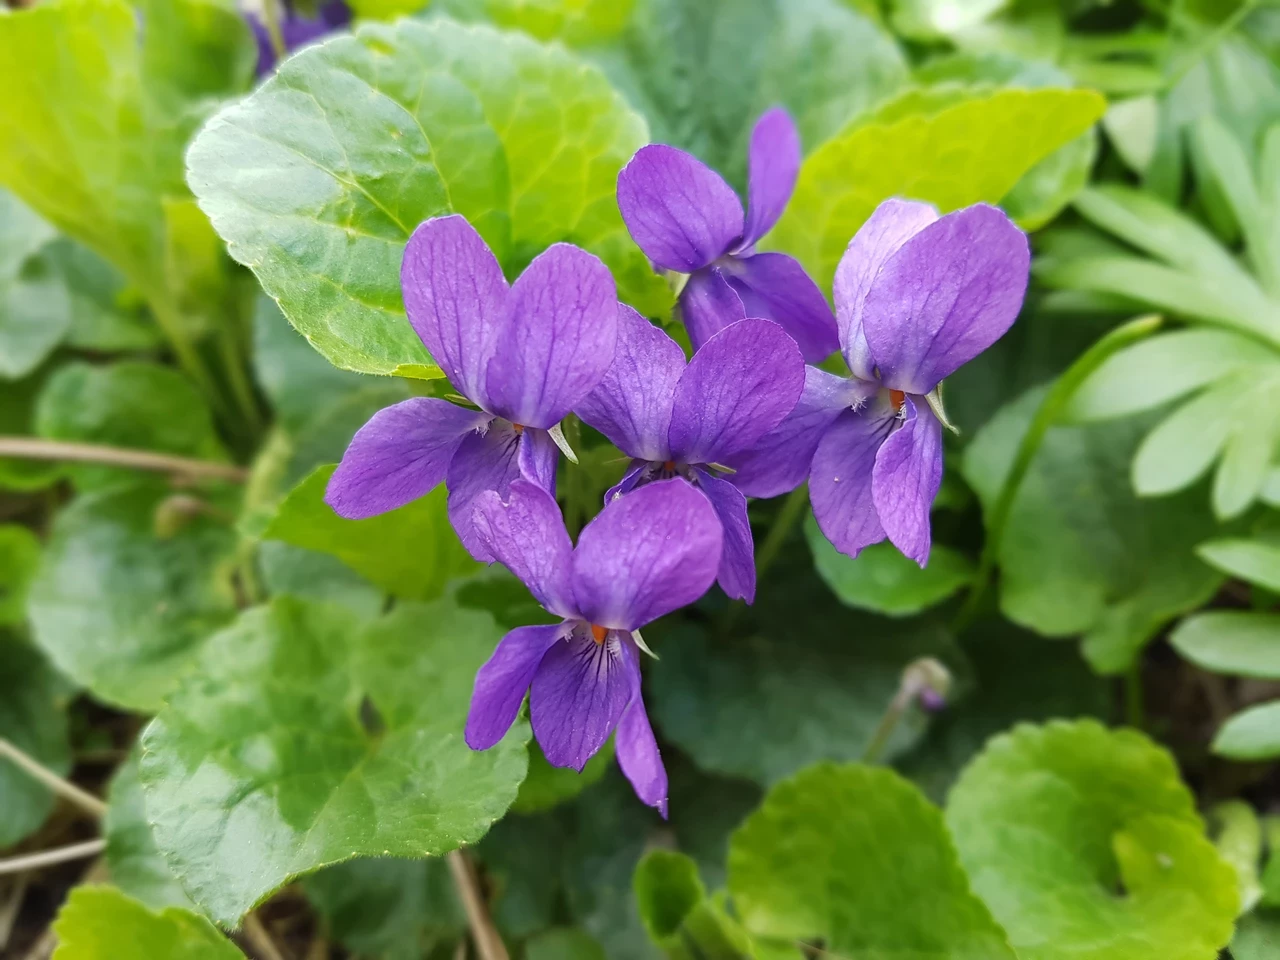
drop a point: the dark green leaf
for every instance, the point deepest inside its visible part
(33, 718)
(564, 944)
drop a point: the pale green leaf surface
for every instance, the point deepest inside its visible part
(574, 22)
(120, 610)
(35, 314)
(317, 179)
(1184, 445)
(19, 557)
(107, 314)
(1235, 642)
(973, 151)
(316, 576)
(132, 858)
(1257, 937)
(411, 552)
(22, 233)
(300, 740)
(1237, 833)
(856, 856)
(33, 718)
(1255, 560)
(1252, 734)
(1084, 842)
(101, 923)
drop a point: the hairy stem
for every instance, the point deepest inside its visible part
(489, 945)
(64, 788)
(50, 858)
(34, 448)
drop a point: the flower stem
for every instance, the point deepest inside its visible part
(1048, 413)
(792, 509)
(488, 943)
(271, 18)
(64, 788)
(34, 448)
(919, 676)
(50, 858)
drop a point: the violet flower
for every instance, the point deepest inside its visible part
(296, 30)
(677, 419)
(524, 354)
(917, 297)
(689, 221)
(643, 556)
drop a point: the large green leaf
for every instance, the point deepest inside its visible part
(101, 923)
(970, 152)
(119, 609)
(1081, 554)
(301, 739)
(411, 552)
(1084, 842)
(317, 179)
(856, 856)
(33, 718)
(133, 860)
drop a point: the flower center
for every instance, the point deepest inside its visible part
(599, 633)
(897, 398)
(519, 427)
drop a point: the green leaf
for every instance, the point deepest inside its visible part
(1184, 445)
(882, 580)
(353, 143)
(120, 610)
(107, 315)
(141, 406)
(101, 923)
(564, 944)
(19, 557)
(668, 889)
(133, 859)
(35, 314)
(1238, 837)
(574, 22)
(317, 576)
(22, 234)
(937, 19)
(1252, 734)
(547, 786)
(849, 854)
(33, 718)
(1084, 841)
(301, 740)
(17, 403)
(973, 151)
(411, 552)
(1257, 936)
(1080, 553)
(1235, 642)
(1254, 560)
(386, 908)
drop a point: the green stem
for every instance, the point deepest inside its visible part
(1050, 410)
(189, 359)
(792, 508)
(237, 376)
(271, 19)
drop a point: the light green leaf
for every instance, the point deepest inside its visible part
(937, 19)
(120, 610)
(317, 576)
(973, 151)
(882, 580)
(141, 406)
(1257, 937)
(1256, 560)
(35, 314)
(1080, 553)
(1162, 368)
(547, 786)
(101, 923)
(1084, 841)
(1183, 446)
(353, 143)
(19, 557)
(1237, 833)
(678, 915)
(1131, 126)
(574, 22)
(1252, 734)
(1250, 447)
(107, 314)
(564, 944)
(411, 552)
(1236, 642)
(133, 860)
(300, 740)
(826, 856)
(22, 234)
(33, 718)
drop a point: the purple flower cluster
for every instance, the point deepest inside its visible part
(917, 295)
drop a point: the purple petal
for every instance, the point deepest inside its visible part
(779, 462)
(949, 292)
(892, 224)
(635, 472)
(637, 752)
(840, 480)
(906, 478)
(526, 534)
(775, 287)
(632, 404)
(492, 461)
(501, 683)
(773, 163)
(737, 573)
(647, 553)
(558, 338)
(678, 210)
(455, 295)
(401, 454)
(578, 695)
(708, 304)
(739, 385)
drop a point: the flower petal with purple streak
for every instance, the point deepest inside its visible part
(906, 478)
(737, 572)
(708, 304)
(526, 534)
(637, 751)
(401, 454)
(455, 296)
(579, 694)
(775, 287)
(840, 482)
(739, 385)
(773, 163)
(892, 224)
(503, 680)
(946, 295)
(632, 404)
(647, 553)
(678, 210)
(558, 337)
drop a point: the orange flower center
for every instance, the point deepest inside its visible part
(519, 427)
(668, 465)
(599, 632)
(897, 398)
